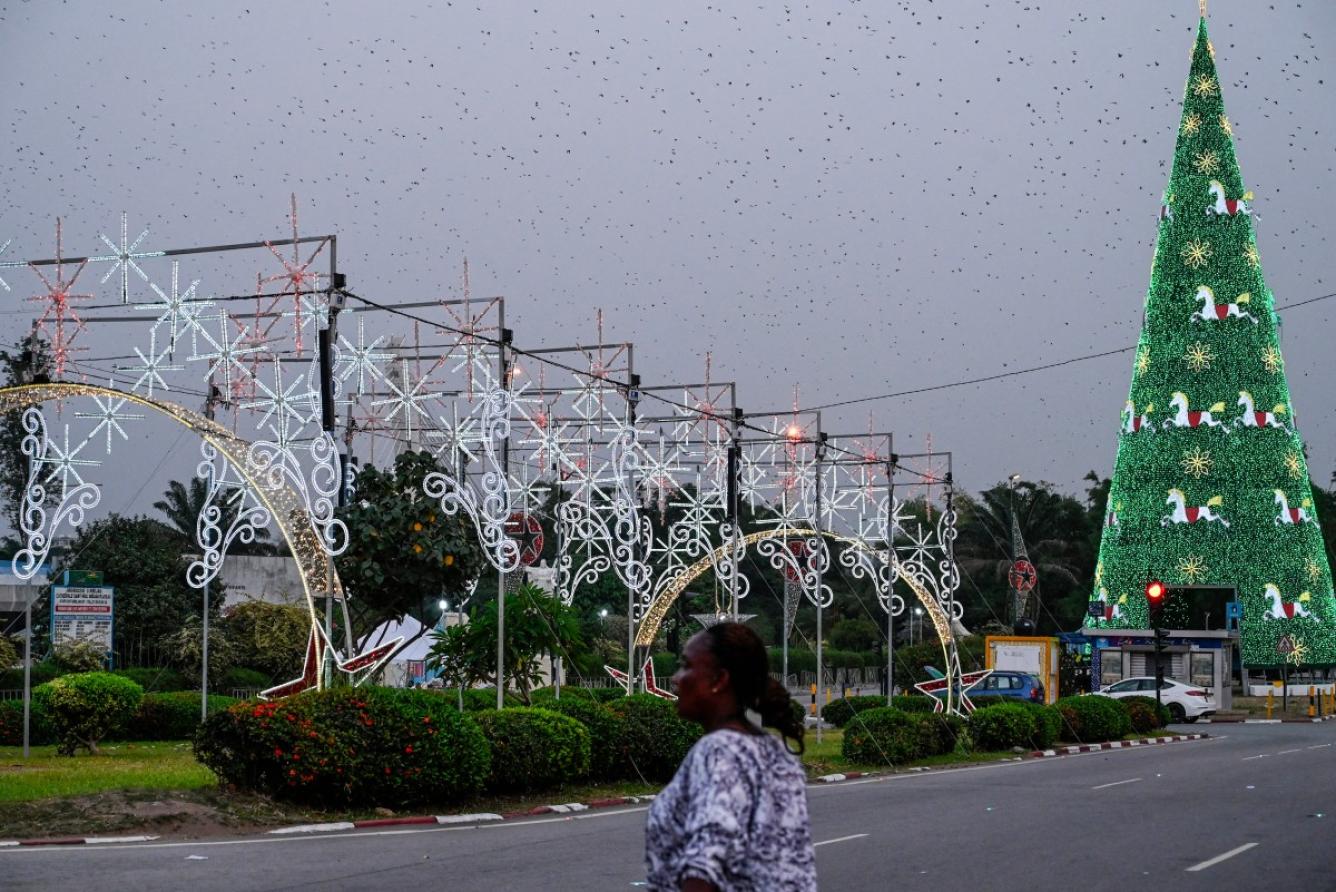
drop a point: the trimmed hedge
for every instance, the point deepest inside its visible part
(568, 692)
(604, 727)
(533, 749)
(12, 679)
(348, 746)
(839, 712)
(155, 681)
(241, 677)
(654, 741)
(883, 736)
(1145, 714)
(1002, 726)
(171, 716)
(87, 707)
(40, 731)
(1090, 718)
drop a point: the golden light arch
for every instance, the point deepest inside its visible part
(285, 506)
(654, 616)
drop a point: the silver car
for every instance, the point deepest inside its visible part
(1186, 702)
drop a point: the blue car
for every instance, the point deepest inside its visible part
(1005, 683)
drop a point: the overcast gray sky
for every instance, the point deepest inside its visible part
(852, 198)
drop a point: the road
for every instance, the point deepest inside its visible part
(1250, 809)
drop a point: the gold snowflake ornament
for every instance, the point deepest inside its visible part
(1271, 360)
(1143, 360)
(1226, 126)
(1313, 570)
(1199, 356)
(1294, 465)
(1191, 124)
(1204, 85)
(1193, 568)
(1197, 462)
(1206, 162)
(1196, 253)
(1299, 653)
(1254, 259)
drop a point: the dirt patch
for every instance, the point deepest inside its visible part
(192, 814)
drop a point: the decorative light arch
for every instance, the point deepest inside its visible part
(286, 507)
(654, 616)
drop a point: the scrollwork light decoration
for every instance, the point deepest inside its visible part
(74, 501)
(249, 518)
(487, 505)
(808, 571)
(632, 532)
(277, 465)
(865, 563)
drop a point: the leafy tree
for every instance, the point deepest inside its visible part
(30, 362)
(181, 505)
(186, 647)
(403, 552)
(854, 634)
(142, 559)
(269, 637)
(535, 625)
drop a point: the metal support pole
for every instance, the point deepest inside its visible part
(823, 694)
(204, 658)
(27, 674)
(632, 405)
(734, 484)
(890, 565)
(951, 589)
(325, 347)
(506, 336)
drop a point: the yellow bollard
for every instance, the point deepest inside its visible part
(1270, 701)
(827, 696)
(814, 698)
(1312, 709)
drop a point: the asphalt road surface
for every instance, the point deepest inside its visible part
(1252, 809)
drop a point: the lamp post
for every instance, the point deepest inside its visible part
(918, 623)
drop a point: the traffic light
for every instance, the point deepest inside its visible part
(1161, 638)
(1156, 594)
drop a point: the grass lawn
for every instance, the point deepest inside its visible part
(825, 757)
(156, 765)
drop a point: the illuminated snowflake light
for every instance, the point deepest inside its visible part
(59, 320)
(405, 399)
(6, 265)
(1193, 568)
(282, 405)
(65, 462)
(229, 349)
(1207, 162)
(1191, 124)
(1204, 85)
(362, 360)
(1271, 360)
(1225, 126)
(152, 366)
(1143, 360)
(1294, 465)
(124, 258)
(175, 308)
(109, 417)
(1198, 357)
(298, 280)
(1250, 254)
(1196, 253)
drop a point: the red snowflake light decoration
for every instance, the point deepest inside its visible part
(59, 320)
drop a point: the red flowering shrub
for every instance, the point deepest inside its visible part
(371, 746)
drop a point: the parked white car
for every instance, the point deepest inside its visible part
(1186, 702)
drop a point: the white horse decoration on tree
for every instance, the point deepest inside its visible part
(1113, 613)
(1185, 417)
(1279, 608)
(1227, 207)
(1132, 422)
(1182, 512)
(1252, 418)
(1290, 515)
(1213, 312)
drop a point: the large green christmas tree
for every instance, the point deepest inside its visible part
(1210, 487)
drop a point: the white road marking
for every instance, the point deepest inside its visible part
(1116, 783)
(1223, 857)
(1287, 752)
(826, 842)
(1250, 758)
(1319, 746)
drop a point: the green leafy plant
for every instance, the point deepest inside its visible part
(11, 724)
(654, 740)
(1093, 719)
(883, 736)
(1002, 726)
(171, 716)
(270, 638)
(1145, 714)
(533, 749)
(155, 680)
(85, 708)
(348, 746)
(605, 730)
(79, 656)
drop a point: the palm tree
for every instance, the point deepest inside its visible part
(182, 506)
(1055, 528)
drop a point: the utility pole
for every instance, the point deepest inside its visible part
(335, 299)
(734, 485)
(507, 336)
(820, 457)
(890, 565)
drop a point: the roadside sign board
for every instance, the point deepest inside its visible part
(82, 613)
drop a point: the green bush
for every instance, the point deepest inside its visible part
(478, 699)
(939, 734)
(654, 740)
(883, 736)
(914, 703)
(42, 672)
(1090, 718)
(11, 724)
(605, 730)
(839, 712)
(607, 695)
(547, 695)
(171, 716)
(155, 681)
(533, 749)
(1002, 726)
(1145, 714)
(665, 664)
(87, 707)
(1047, 724)
(348, 746)
(247, 679)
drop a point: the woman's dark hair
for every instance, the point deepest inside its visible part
(739, 650)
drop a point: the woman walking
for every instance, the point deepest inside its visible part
(734, 817)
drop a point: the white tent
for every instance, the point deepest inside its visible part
(406, 665)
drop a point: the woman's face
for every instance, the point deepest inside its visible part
(697, 681)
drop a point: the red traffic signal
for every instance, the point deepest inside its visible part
(1155, 592)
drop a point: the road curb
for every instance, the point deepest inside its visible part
(836, 778)
(75, 840)
(1114, 745)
